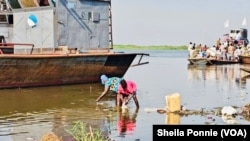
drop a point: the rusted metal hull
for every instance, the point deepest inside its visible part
(42, 46)
(18, 71)
(244, 59)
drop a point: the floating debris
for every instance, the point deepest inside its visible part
(229, 119)
(210, 120)
(161, 111)
(228, 111)
(149, 110)
(246, 112)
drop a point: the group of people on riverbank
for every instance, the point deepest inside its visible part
(124, 90)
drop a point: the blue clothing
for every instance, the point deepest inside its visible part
(113, 83)
(103, 78)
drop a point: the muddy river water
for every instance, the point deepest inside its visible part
(28, 114)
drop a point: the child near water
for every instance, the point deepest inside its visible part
(127, 90)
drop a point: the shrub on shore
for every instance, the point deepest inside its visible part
(80, 132)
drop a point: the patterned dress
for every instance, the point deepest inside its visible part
(113, 83)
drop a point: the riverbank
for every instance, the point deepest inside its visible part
(137, 47)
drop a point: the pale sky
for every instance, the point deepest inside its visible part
(176, 22)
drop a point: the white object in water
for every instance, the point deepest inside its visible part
(124, 106)
(228, 110)
(229, 119)
(148, 110)
(99, 103)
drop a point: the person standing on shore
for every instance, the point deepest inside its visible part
(190, 49)
(110, 84)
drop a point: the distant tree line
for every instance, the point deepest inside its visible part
(163, 47)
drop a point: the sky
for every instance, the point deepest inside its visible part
(176, 22)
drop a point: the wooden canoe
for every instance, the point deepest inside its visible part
(244, 59)
(209, 61)
(223, 62)
(199, 61)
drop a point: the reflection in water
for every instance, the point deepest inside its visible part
(28, 114)
(227, 82)
(216, 72)
(172, 118)
(228, 74)
(243, 80)
(126, 123)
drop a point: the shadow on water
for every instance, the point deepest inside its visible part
(28, 114)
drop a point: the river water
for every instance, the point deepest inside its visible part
(28, 114)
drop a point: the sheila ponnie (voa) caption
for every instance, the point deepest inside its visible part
(218, 131)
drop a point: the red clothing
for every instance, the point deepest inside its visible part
(131, 88)
(126, 125)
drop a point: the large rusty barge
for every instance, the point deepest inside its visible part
(58, 42)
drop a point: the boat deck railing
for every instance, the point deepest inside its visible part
(11, 46)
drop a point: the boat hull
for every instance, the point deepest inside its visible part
(223, 62)
(198, 61)
(73, 44)
(18, 71)
(244, 59)
(208, 61)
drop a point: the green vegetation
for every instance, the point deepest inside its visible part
(80, 132)
(163, 47)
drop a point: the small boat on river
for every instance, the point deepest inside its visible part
(199, 61)
(210, 61)
(47, 42)
(223, 53)
(224, 62)
(244, 59)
